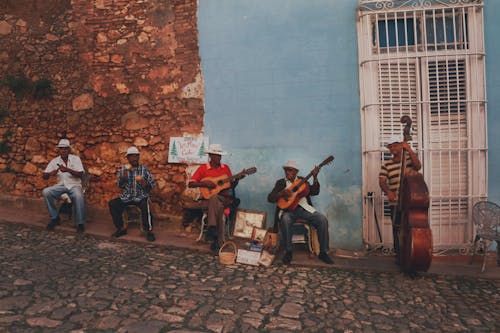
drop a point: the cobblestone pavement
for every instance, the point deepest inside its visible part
(61, 282)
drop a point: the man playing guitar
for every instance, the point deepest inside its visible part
(304, 210)
(216, 204)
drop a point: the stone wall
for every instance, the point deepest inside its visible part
(123, 73)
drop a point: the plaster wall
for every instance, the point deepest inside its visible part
(281, 83)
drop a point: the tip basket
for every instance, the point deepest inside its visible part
(227, 258)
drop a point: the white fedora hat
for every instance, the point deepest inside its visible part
(215, 149)
(394, 139)
(63, 143)
(291, 164)
(132, 151)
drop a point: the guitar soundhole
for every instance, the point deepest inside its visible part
(295, 189)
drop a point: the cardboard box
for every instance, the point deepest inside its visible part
(248, 257)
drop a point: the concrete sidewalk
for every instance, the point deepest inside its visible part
(16, 212)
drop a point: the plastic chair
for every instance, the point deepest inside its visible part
(486, 219)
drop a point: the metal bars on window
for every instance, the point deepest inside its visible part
(425, 59)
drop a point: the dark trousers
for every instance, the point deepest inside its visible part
(316, 219)
(396, 224)
(117, 206)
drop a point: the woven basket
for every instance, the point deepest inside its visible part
(227, 258)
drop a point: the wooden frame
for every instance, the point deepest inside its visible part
(246, 220)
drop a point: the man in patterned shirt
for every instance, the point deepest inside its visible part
(136, 183)
(389, 180)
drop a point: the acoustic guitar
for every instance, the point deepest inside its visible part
(299, 189)
(223, 182)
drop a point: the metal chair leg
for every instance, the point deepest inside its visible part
(202, 226)
(473, 250)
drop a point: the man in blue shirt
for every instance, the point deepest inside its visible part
(136, 183)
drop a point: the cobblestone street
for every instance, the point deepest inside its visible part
(65, 282)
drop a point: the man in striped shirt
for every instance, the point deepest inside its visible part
(389, 180)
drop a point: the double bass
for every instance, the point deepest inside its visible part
(415, 235)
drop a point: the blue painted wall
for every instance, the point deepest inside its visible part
(281, 82)
(492, 30)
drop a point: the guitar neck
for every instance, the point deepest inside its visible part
(233, 177)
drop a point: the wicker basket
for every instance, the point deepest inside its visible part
(228, 258)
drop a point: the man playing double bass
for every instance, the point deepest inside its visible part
(389, 181)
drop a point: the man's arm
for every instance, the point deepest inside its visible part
(414, 158)
(50, 170)
(382, 181)
(277, 192)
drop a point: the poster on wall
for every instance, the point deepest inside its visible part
(190, 150)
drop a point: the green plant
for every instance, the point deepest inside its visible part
(18, 84)
(42, 89)
(3, 114)
(4, 148)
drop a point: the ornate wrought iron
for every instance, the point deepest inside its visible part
(383, 5)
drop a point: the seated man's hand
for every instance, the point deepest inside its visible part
(208, 184)
(285, 194)
(63, 168)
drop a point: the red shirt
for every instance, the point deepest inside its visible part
(205, 170)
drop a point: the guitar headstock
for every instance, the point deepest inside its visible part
(328, 160)
(249, 171)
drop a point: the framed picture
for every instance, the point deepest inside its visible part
(246, 220)
(259, 234)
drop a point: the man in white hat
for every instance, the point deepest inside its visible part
(69, 171)
(389, 180)
(285, 218)
(136, 183)
(217, 203)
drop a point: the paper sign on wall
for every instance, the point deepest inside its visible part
(188, 150)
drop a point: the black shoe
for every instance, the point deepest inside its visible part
(287, 258)
(396, 261)
(150, 237)
(53, 223)
(214, 246)
(323, 256)
(80, 228)
(119, 233)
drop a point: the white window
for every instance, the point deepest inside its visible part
(425, 59)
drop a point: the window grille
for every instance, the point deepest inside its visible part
(425, 59)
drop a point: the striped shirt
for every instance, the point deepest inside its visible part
(131, 190)
(391, 172)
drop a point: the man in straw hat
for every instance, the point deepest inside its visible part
(304, 211)
(389, 180)
(216, 204)
(69, 171)
(136, 183)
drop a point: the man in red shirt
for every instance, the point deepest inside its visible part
(205, 178)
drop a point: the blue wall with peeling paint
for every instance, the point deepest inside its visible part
(281, 83)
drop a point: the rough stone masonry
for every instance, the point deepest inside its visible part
(122, 72)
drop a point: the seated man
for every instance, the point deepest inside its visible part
(136, 183)
(216, 203)
(304, 211)
(69, 171)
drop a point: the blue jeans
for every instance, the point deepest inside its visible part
(51, 193)
(316, 219)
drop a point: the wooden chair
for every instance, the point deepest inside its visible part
(310, 236)
(486, 219)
